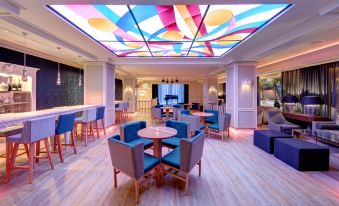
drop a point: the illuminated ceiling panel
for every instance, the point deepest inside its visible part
(169, 30)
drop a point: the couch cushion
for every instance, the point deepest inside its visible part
(172, 158)
(172, 142)
(150, 162)
(147, 143)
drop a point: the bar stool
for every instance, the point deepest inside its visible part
(86, 120)
(119, 112)
(65, 123)
(126, 106)
(33, 131)
(100, 116)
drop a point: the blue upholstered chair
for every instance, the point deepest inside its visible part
(183, 133)
(128, 133)
(277, 122)
(185, 112)
(222, 126)
(213, 119)
(194, 122)
(33, 131)
(185, 157)
(65, 123)
(132, 161)
(177, 108)
(100, 116)
(195, 106)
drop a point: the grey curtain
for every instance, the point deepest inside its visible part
(315, 80)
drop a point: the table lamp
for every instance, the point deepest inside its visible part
(311, 104)
(289, 102)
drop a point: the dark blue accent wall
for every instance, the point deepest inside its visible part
(48, 93)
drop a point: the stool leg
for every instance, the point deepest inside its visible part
(11, 164)
(97, 128)
(86, 128)
(31, 162)
(103, 125)
(59, 148)
(92, 128)
(27, 151)
(8, 151)
(37, 151)
(55, 143)
(73, 142)
(48, 153)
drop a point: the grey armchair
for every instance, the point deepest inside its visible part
(156, 114)
(184, 158)
(132, 161)
(277, 122)
(193, 121)
(223, 125)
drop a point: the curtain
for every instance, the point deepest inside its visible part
(171, 89)
(316, 80)
(186, 93)
(155, 91)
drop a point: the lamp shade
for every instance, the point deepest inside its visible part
(307, 100)
(290, 99)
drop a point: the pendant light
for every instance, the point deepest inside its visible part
(58, 81)
(24, 71)
(80, 81)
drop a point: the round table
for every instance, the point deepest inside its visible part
(167, 108)
(202, 116)
(157, 134)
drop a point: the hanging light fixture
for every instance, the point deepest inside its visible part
(58, 81)
(176, 80)
(172, 81)
(24, 71)
(163, 80)
(80, 81)
(167, 81)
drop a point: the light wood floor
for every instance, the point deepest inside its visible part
(234, 172)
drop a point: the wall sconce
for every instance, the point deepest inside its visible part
(128, 89)
(212, 89)
(246, 82)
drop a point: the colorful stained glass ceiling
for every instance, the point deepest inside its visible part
(169, 30)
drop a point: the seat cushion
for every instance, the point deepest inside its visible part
(147, 143)
(172, 158)
(150, 162)
(14, 138)
(214, 126)
(172, 142)
(201, 127)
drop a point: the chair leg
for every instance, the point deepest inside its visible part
(49, 153)
(59, 148)
(199, 168)
(103, 125)
(27, 150)
(97, 128)
(186, 183)
(115, 178)
(37, 152)
(31, 162)
(8, 156)
(73, 142)
(92, 129)
(11, 163)
(136, 183)
(86, 128)
(54, 143)
(222, 135)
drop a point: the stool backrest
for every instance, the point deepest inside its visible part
(100, 113)
(89, 115)
(65, 123)
(37, 129)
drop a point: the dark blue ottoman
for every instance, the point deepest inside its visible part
(302, 155)
(264, 139)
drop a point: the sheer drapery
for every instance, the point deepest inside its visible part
(315, 80)
(171, 89)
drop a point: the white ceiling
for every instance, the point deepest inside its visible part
(307, 25)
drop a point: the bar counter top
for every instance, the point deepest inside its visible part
(10, 119)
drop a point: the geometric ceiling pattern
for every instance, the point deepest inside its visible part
(169, 30)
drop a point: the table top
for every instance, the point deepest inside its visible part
(167, 107)
(10, 119)
(203, 114)
(157, 132)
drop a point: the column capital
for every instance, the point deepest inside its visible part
(242, 63)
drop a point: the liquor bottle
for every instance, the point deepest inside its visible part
(9, 85)
(19, 85)
(14, 86)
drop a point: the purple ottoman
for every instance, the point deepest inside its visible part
(264, 139)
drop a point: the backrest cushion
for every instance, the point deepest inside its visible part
(65, 123)
(275, 117)
(38, 129)
(181, 127)
(213, 118)
(100, 113)
(128, 132)
(186, 112)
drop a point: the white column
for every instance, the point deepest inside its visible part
(99, 87)
(210, 91)
(241, 94)
(129, 92)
